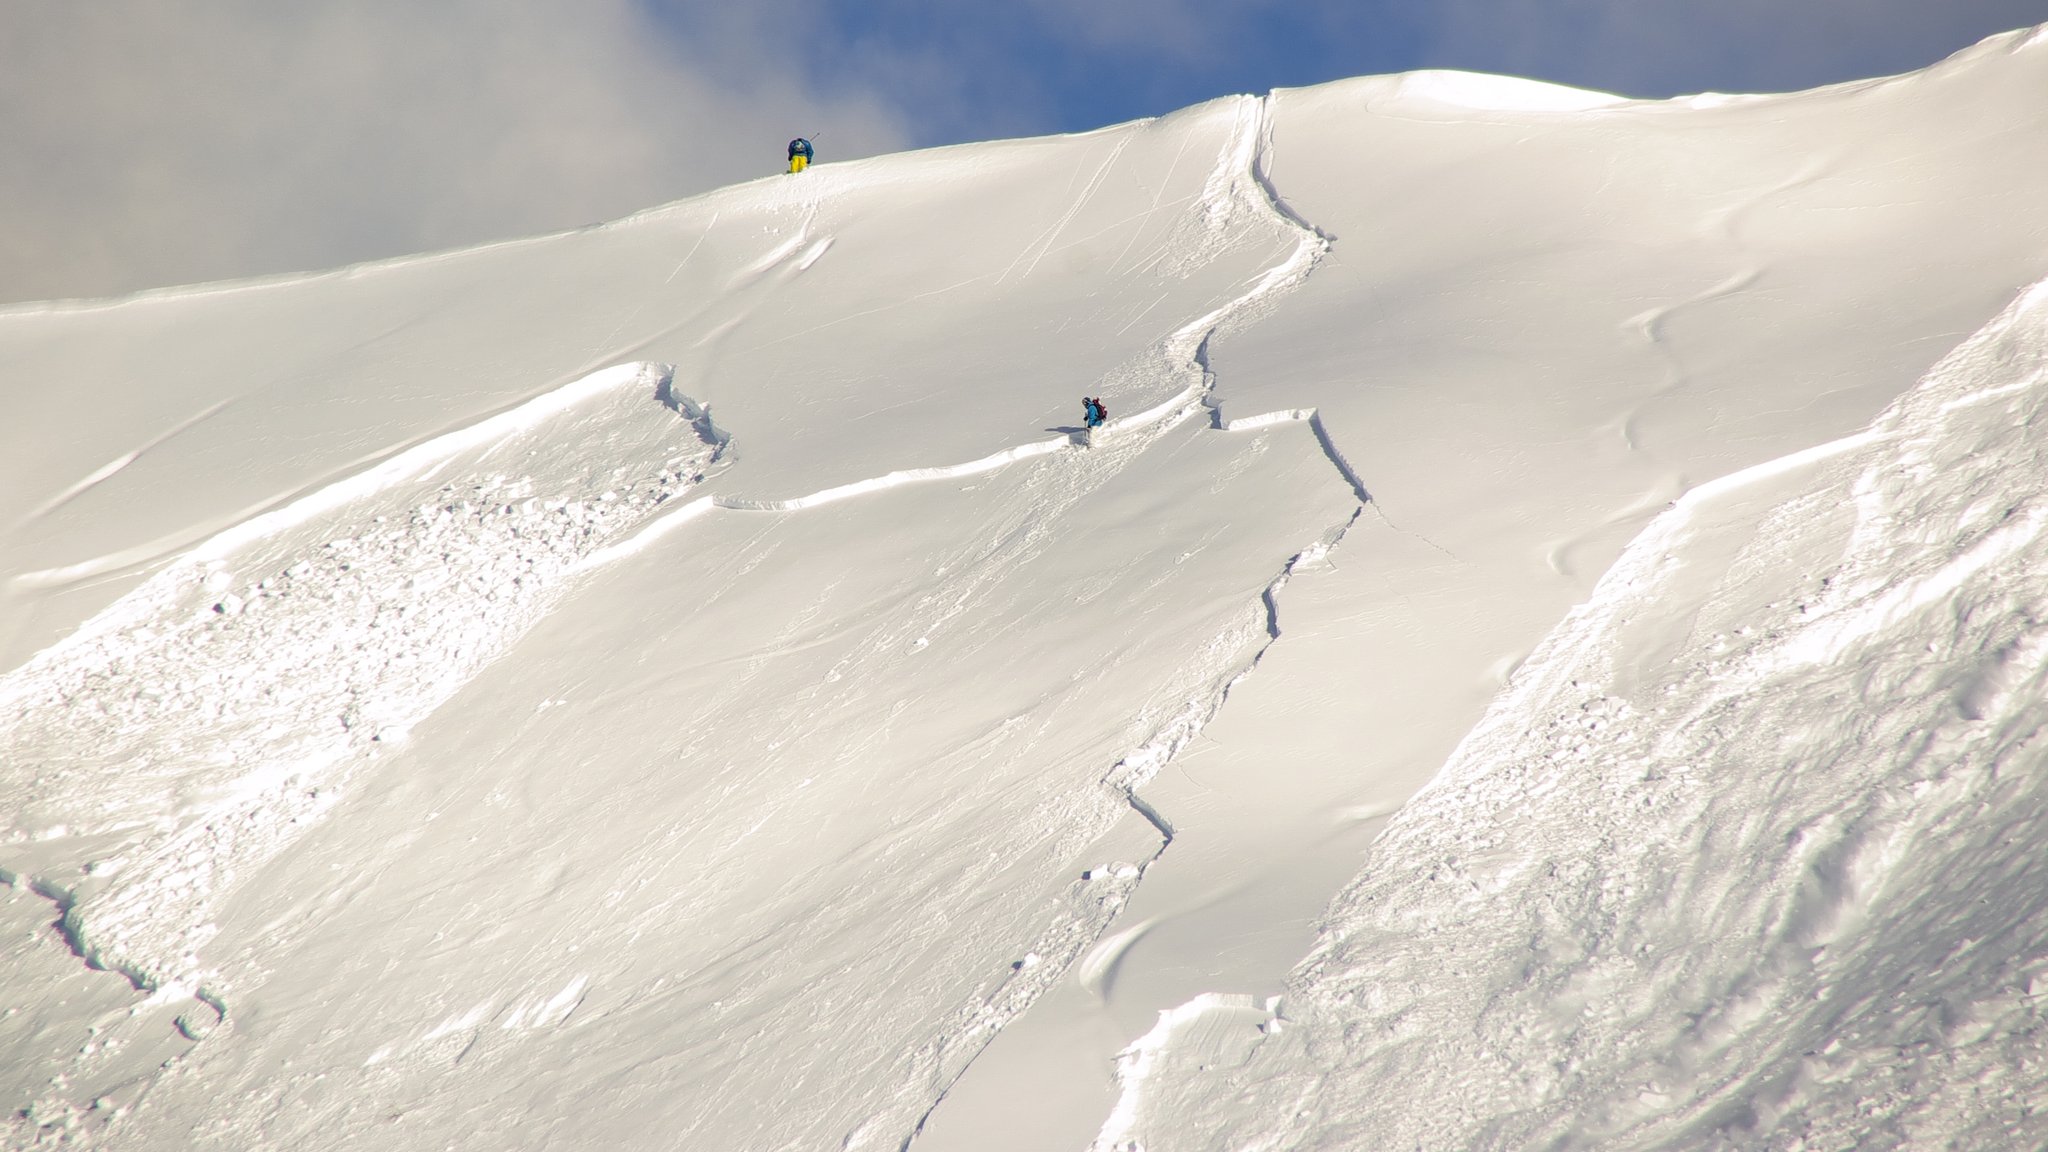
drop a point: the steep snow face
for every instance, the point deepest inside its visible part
(1536, 328)
(674, 742)
(1750, 856)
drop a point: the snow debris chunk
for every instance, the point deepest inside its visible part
(260, 700)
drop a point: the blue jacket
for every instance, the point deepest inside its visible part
(800, 147)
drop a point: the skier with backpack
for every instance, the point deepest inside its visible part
(1092, 411)
(799, 154)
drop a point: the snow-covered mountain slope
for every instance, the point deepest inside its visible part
(1538, 325)
(690, 682)
(1749, 856)
(819, 699)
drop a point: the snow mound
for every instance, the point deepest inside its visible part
(1487, 93)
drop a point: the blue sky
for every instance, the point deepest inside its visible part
(965, 71)
(150, 143)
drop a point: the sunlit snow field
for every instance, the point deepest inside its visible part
(1547, 651)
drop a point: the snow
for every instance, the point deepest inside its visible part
(1769, 882)
(694, 676)
(1482, 92)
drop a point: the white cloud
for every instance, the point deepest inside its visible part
(151, 143)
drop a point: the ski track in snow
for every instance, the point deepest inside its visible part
(113, 467)
(1780, 889)
(216, 712)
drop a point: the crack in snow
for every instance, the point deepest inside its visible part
(1237, 184)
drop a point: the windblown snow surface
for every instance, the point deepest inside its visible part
(689, 682)
(1774, 879)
